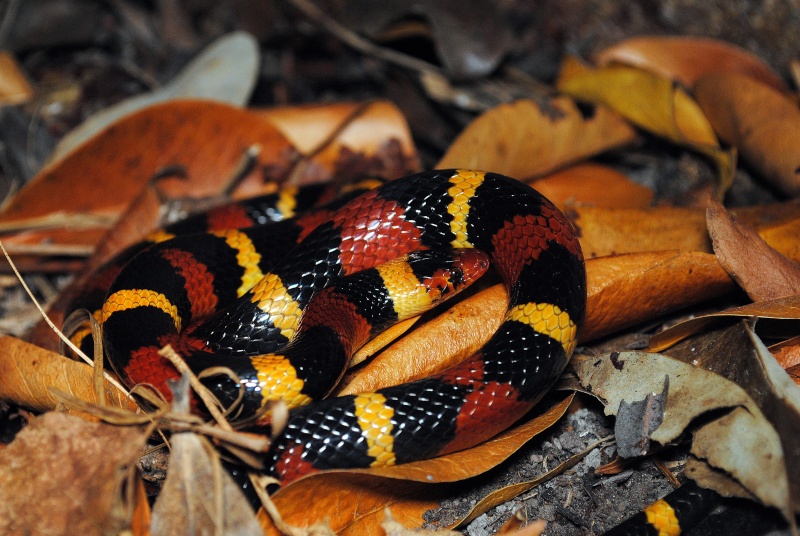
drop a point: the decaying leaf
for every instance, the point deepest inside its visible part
(741, 442)
(687, 58)
(64, 475)
(736, 353)
(225, 71)
(353, 500)
(526, 140)
(652, 103)
(595, 185)
(782, 308)
(761, 271)
(198, 496)
(759, 120)
(29, 372)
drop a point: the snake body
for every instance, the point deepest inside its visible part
(220, 300)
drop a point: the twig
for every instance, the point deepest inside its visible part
(357, 42)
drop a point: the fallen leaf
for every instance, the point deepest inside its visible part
(29, 372)
(761, 271)
(14, 85)
(736, 353)
(624, 290)
(609, 231)
(64, 475)
(687, 58)
(651, 102)
(225, 72)
(334, 136)
(109, 171)
(780, 309)
(198, 496)
(760, 121)
(525, 139)
(441, 342)
(741, 442)
(595, 185)
(353, 500)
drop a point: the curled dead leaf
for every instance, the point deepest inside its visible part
(687, 58)
(651, 102)
(29, 372)
(762, 122)
(761, 271)
(742, 442)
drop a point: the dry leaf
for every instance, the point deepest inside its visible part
(782, 308)
(353, 500)
(525, 140)
(741, 442)
(14, 85)
(624, 290)
(110, 170)
(349, 139)
(761, 271)
(736, 353)
(198, 496)
(687, 58)
(651, 102)
(595, 185)
(225, 72)
(63, 475)
(761, 122)
(29, 372)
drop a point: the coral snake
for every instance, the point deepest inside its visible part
(285, 319)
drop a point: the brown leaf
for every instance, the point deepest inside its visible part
(595, 185)
(29, 372)
(782, 308)
(760, 121)
(686, 59)
(198, 496)
(761, 271)
(525, 140)
(353, 500)
(650, 102)
(441, 342)
(63, 475)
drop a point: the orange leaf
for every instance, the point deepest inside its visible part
(760, 121)
(349, 139)
(14, 86)
(761, 271)
(625, 290)
(29, 371)
(205, 140)
(686, 59)
(525, 139)
(594, 185)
